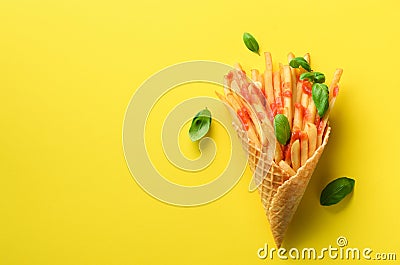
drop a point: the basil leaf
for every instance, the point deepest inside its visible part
(307, 75)
(282, 128)
(251, 43)
(315, 77)
(319, 77)
(320, 95)
(336, 190)
(200, 125)
(300, 61)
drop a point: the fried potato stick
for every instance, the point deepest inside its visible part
(287, 94)
(285, 166)
(293, 72)
(335, 81)
(309, 114)
(303, 148)
(311, 131)
(333, 91)
(277, 92)
(268, 78)
(255, 76)
(278, 152)
(295, 155)
(298, 116)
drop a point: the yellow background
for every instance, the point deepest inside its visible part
(67, 72)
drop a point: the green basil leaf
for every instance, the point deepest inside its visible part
(282, 128)
(320, 95)
(200, 125)
(307, 75)
(251, 43)
(300, 61)
(315, 77)
(319, 77)
(336, 190)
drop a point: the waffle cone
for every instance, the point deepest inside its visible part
(280, 193)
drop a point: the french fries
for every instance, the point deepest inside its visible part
(334, 83)
(310, 112)
(311, 131)
(293, 73)
(268, 78)
(303, 148)
(278, 153)
(295, 155)
(333, 90)
(307, 57)
(298, 116)
(285, 94)
(255, 75)
(285, 166)
(277, 91)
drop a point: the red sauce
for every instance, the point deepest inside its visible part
(276, 108)
(301, 109)
(287, 93)
(335, 91)
(244, 117)
(306, 115)
(320, 127)
(320, 124)
(285, 86)
(299, 106)
(278, 102)
(317, 120)
(295, 136)
(273, 108)
(303, 136)
(306, 85)
(286, 151)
